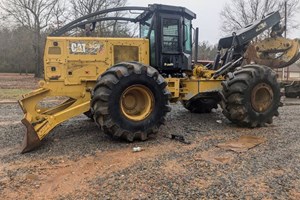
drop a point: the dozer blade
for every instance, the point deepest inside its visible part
(41, 115)
(31, 139)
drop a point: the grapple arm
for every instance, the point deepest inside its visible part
(277, 52)
(274, 52)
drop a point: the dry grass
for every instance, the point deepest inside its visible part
(12, 86)
(12, 93)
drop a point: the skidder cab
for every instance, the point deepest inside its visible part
(125, 84)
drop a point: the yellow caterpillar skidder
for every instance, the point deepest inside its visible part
(125, 84)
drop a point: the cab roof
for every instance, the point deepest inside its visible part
(168, 9)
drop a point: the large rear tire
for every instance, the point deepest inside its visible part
(251, 96)
(130, 101)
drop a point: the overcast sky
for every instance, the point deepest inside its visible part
(208, 15)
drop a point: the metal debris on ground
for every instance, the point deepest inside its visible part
(180, 138)
(243, 144)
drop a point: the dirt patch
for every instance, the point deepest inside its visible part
(256, 188)
(201, 183)
(173, 167)
(294, 194)
(49, 181)
(276, 172)
(215, 156)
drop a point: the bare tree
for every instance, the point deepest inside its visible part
(84, 7)
(61, 15)
(33, 14)
(112, 28)
(14, 53)
(207, 51)
(239, 13)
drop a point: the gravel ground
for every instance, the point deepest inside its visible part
(77, 161)
(16, 81)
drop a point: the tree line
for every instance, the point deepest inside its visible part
(24, 25)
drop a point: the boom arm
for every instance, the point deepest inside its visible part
(274, 52)
(244, 36)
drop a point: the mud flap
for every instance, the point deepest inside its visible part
(31, 139)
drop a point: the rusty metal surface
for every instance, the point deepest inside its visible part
(242, 144)
(31, 139)
(262, 97)
(273, 52)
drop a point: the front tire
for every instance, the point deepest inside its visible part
(130, 101)
(251, 96)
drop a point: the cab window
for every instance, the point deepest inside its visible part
(187, 35)
(170, 35)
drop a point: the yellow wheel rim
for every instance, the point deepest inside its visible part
(137, 102)
(262, 97)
